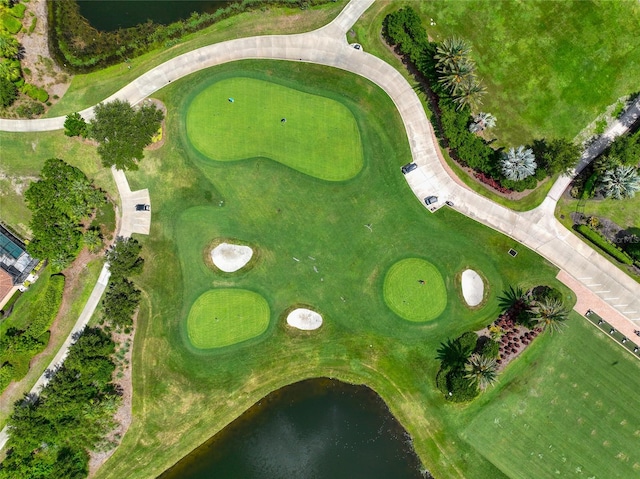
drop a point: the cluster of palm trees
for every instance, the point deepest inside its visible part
(458, 73)
(546, 313)
(518, 163)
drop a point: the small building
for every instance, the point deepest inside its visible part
(16, 265)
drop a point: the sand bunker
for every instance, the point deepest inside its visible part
(304, 319)
(231, 257)
(472, 287)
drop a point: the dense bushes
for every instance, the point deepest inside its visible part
(82, 48)
(60, 201)
(51, 434)
(122, 297)
(19, 346)
(451, 379)
(603, 243)
(35, 92)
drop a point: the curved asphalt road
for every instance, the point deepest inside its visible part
(616, 294)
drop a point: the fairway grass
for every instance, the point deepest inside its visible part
(414, 290)
(222, 317)
(573, 413)
(242, 118)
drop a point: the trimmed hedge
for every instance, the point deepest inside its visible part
(603, 244)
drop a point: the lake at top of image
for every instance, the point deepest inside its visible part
(315, 429)
(110, 15)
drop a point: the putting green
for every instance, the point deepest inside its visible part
(319, 136)
(221, 317)
(414, 290)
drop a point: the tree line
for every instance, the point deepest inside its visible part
(455, 94)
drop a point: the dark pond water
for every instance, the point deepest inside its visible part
(314, 429)
(109, 15)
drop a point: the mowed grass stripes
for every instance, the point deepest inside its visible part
(223, 317)
(240, 118)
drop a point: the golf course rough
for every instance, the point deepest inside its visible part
(240, 118)
(414, 290)
(222, 317)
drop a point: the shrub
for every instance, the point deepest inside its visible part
(31, 109)
(18, 10)
(10, 23)
(35, 92)
(32, 27)
(603, 244)
(589, 186)
(75, 125)
(543, 292)
(468, 342)
(441, 379)
(487, 180)
(8, 92)
(461, 389)
(6, 375)
(528, 183)
(489, 348)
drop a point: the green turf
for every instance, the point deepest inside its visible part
(414, 290)
(309, 133)
(222, 317)
(340, 272)
(572, 414)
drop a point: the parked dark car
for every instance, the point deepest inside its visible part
(408, 167)
(429, 200)
(142, 207)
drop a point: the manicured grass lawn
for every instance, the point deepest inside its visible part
(341, 270)
(222, 317)
(318, 136)
(622, 212)
(414, 290)
(572, 413)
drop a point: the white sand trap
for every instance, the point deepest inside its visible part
(472, 287)
(304, 319)
(231, 257)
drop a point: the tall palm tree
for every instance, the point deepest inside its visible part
(513, 298)
(481, 370)
(550, 315)
(469, 93)
(482, 121)
(621, 182)
(518, 163)
(452, 353)
(451, 52)
(453, 78)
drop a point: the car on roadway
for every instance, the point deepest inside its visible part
(143, 207)
(429, 200)
(408, 168)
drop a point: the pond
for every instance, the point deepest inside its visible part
(109, 15)
(319, 428)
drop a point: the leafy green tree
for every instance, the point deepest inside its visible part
(122, 132)
(620, 182)
(560, 156)
(120, 302)
(518, 163)
(550, 315)
(481, 370)
(75, 125)
(8, 92)
(124, 259)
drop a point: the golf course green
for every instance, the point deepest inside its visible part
(222, 317)
(254, 118)
(414, 290)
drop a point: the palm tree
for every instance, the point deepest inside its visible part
(518, 163)
(482, 121)
(93, 239)
(451, 52)
(513, 299)
(621, 182)
(481, 370)
(452, 353)
(453, 78)
(550, 315)
(469, 93)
